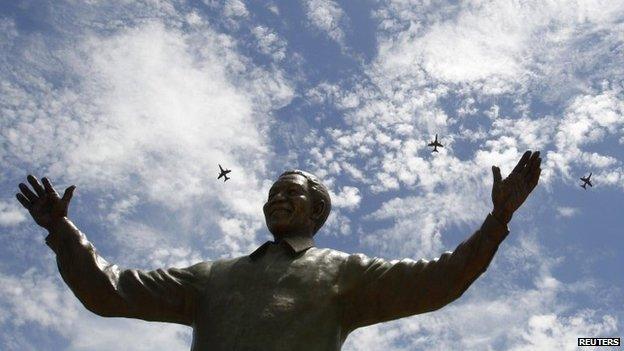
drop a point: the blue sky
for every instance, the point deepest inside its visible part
(136, 102)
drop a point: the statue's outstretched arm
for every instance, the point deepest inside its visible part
(375, 290)
(162, 295)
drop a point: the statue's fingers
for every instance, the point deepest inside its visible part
(34, 182)
(531, 164)
(23, 200)
(69, 192)
(522, 162)
(27, 192)
(48, 186)
(535, 177)
(536, 165)
(497, 175)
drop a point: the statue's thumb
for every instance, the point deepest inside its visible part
(497, 175)
(69, 192)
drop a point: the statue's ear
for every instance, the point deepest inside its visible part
(319, 208)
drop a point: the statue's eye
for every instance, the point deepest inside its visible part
(293, 192)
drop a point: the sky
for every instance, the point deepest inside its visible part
(136, 102)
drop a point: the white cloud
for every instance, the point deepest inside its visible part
(418, 221)
(588, 120)
(567, 212)
(235, 8)
(37, 298)
(9, 32)
(119, 209)
(348, 197)
(11, 214)
(273, 8)
(327, 16)
(493, 45)
(337, 224)
(551, 332)
(270, 43)
(33, 297)
(152, 113)
(95, 333)
(529, 133)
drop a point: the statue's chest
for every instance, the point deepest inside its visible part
(272, 287)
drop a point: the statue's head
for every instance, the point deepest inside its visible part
(298, 204)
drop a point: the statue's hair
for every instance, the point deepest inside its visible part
(318, 192)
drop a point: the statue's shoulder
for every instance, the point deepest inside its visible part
(326, 254)
(333, 253)
(227, 264)
(206, 268)
(350, 259)
(201, 268)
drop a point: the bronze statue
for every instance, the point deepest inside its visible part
(287, 294)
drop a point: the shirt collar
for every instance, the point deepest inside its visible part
(295, 245)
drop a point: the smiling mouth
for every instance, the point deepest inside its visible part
(280, 210)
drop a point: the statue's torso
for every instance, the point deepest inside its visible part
(276, 302)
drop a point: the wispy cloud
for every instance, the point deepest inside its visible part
(139, 116)
(587, 120)
(35, 298)
(567, 211)
(10, 214)
(327, 16)
(270, 43)
(235, 8)
(496, 46)
(348, 197)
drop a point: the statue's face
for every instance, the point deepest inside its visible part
(288, 210)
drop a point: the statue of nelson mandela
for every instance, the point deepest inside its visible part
(287, 294)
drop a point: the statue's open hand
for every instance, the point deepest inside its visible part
(45, 205)
(509, 193)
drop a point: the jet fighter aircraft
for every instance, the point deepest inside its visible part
(586, 181)
(224, 173)
(435, 144)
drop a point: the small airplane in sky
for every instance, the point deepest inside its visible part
(586, 181)
(435, 144)
(224, 173)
